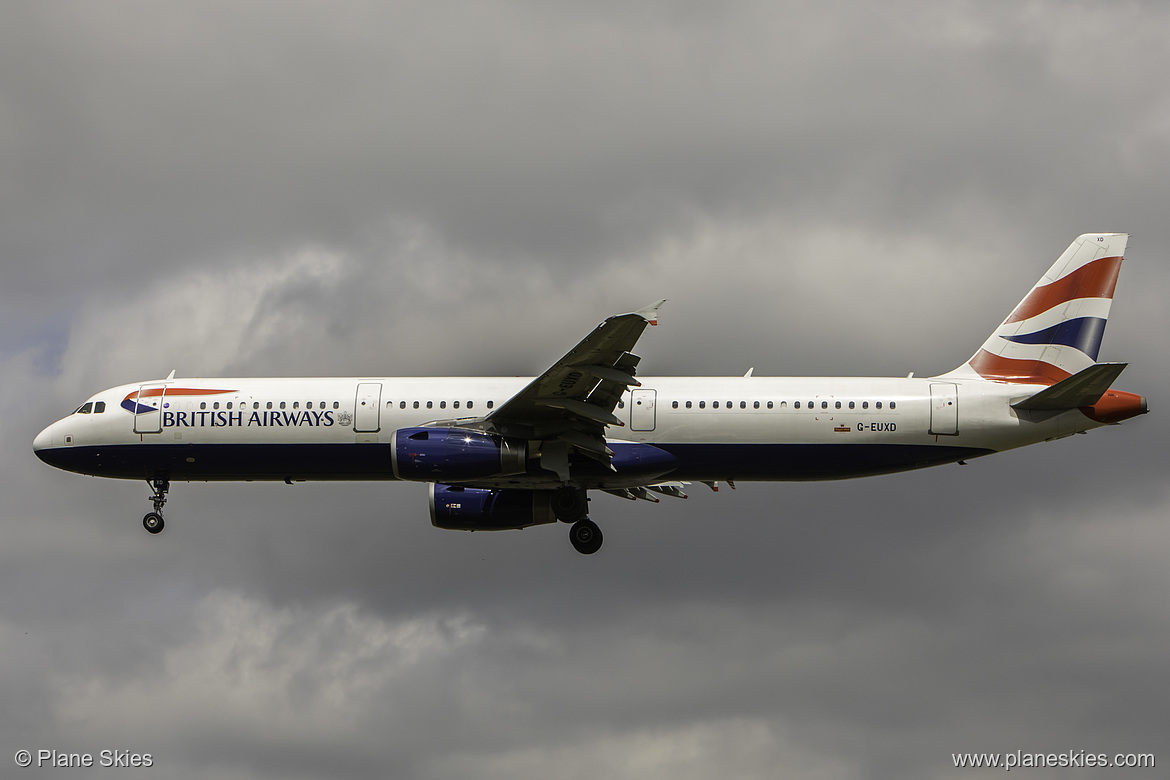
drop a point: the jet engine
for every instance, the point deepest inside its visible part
(478, 509)
(454, 454)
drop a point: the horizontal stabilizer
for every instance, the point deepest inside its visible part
(1083, 388)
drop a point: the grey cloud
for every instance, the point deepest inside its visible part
(405, 189)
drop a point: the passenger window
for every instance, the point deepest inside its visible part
(865, 404)
(893, 404)
(688, 404)
(470, 404)
(202, 404)
(215, 405)
(454, 404)
(878, 405)
(491, 404)
(756, 405)
(442, 404)
(702, 404)
(824, 404)
(416, 404)
(797, 404)
(729, 404)
(810, 404)
(714, 404)
(838, 404)
(430, 404)
(269, 405)
(674, 404)
(336, 404)
(743, 404)
(851, 404)
(282, 404)
(402, 404)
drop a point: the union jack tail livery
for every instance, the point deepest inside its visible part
(1056, 330)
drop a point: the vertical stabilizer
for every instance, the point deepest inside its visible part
(1056, 330)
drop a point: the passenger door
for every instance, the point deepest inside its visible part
(366, 415)
(642, 409)
(944, 409)
(148, 408)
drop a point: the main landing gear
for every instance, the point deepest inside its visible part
(585, 536)
(153, 521)
(571, 505)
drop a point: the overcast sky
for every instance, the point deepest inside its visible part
(461, 188)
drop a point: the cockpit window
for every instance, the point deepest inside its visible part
(99, 407)
(85, 408)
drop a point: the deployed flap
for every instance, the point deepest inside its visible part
(580, 391)
(1083, 388)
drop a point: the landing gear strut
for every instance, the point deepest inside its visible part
(570, 504)
(153, 521)
(585, 536)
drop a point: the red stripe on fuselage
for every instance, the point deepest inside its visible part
(1097, 279)
(155, 392)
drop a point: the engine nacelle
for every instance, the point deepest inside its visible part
(454, 454)
(478, 509)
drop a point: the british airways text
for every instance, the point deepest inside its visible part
(211, 419)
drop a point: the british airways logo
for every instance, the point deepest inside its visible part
(219, 418)
(133, 402)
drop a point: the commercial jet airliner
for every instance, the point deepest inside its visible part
(509, 453)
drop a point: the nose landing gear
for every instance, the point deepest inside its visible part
(153, 522)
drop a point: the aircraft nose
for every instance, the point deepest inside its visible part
(43, 446)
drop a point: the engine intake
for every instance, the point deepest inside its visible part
(454, 454)
(479, 509)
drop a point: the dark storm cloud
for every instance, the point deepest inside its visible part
(361, 188)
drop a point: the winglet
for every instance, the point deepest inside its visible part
(650, 313)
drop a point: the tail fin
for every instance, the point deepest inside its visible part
(1056, 330)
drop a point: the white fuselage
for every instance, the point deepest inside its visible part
(717, 428)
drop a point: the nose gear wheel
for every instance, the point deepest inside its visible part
(153, 522)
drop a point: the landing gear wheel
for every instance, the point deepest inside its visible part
(585, 536)
(569, 504)
(153, 522)
(159, 487)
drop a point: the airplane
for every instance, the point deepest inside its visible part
(512, 452)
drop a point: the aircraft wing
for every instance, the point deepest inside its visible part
(568, 406)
